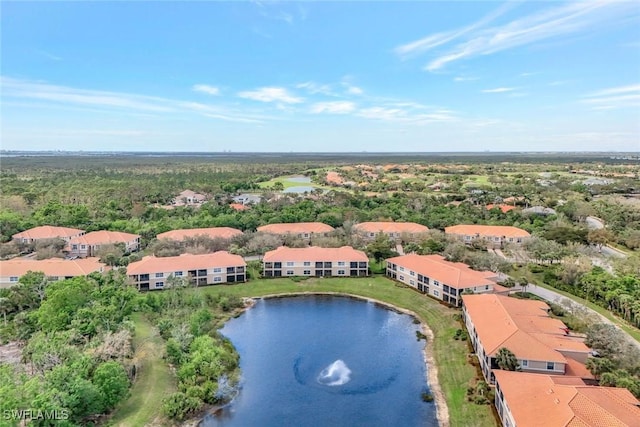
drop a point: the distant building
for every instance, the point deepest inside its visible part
(439, 278)
(45, 232)
(314, 261)
(394, 230)
(152, 272)
(532, 400)
(304, 230)
(539, 210)
(503, 208)
(55, 269)
(89, 244)
(188, 198)
(246, 199)
(190, 233)
(541, 343)
(494, 235)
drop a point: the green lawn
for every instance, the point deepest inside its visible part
(454, 372)
(287, 184)
(154, 380)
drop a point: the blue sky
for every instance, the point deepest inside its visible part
(321, 76)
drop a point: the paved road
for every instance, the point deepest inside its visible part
(594, 223)
(552, 296)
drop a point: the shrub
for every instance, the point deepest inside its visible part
(427, 397)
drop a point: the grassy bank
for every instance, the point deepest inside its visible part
(153, 382)
(454, 372)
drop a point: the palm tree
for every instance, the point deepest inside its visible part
(506, 360)
(523, 282)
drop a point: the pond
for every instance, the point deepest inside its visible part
(300, 179)
(326, 361)
(299, 189)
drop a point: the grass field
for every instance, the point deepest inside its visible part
(154, 381)
(454, 372)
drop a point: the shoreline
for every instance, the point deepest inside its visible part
(442, 410)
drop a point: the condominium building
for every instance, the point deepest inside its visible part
(439, 278)
(54, 269)
(314, 261)
(492, 235)
(45, 232)
(89, 244)
(541, 343)
(533, 400)
(304, 230)
(393, 230)
(212, 233)
(208, 269)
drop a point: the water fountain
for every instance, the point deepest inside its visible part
(338, 373)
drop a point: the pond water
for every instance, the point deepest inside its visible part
(299, 189)
(326, 361)
(300, 179)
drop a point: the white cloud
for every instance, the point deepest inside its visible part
(354, 90)
(335, 107)
(438, 39)
(271, 94)
(614, 98)
(550, 23)
(314, 88)
(465, 79)
(499, 90)
(210, 90)
(407, 115)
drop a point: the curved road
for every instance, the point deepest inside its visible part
(553, 296)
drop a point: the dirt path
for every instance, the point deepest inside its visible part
(153, 383)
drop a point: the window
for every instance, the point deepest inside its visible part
(496, 239)
(217, 270)
(412, 283)
(412, 273)
(519, 240)
(436, 293)
(511, 239)
(289, 272)
(159, 284)
(306, 272)
(306, 235)
(436, 283)
(290, 263)
(467, 237)
(83, 246)
(217, 279)
(341, 272)
(74, 247)
(178, 274)
(550, 366)
(341, 263)
(401, 277)
(401, 268)
(524, 363)
(486, 287)
(13, 279)
(307, 264)
(372, 234)
(159, 275)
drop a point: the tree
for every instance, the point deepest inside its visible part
(524, 283)
(599, 365)
(506, 360)
(600, 237)
(381, 248)
(112, 382)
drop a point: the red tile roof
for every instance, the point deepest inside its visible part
(537, 399)
(47, 232)
(104, 237)
(53, 267)
(313, 253)
(391, 227)
(213, 233)
(152, 264)
(296, 228)
(486, 230)
(455, 274)
(239, 206)
(522, 326)
(503, 208)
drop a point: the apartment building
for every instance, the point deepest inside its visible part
(152, 272)
(304, 230)
(393, 230)
(212, 233)
(89, 244)
(45, 232)
(314, 261)
(439, 278)
(533, 400)
(54, 269)
(541, 343)
(493, 235)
